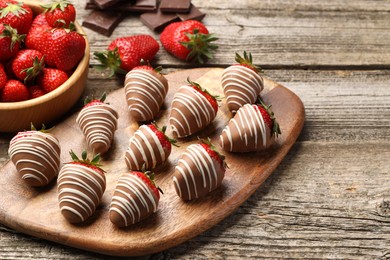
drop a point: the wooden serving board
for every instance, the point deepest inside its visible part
(36, 211)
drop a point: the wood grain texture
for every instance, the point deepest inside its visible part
(284, 34)
(35, 211)
(329, 198)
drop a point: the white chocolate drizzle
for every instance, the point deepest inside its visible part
(150, 154)
(98, 123)
(195, 167)
(145, 94)
(40, 156)
(133, 199)
(241, 86)
(79, 188)
(191, 112)
(249, 124)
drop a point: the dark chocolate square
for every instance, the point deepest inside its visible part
(194, 14)
(175, 6)
(158, 21)
(103, 22)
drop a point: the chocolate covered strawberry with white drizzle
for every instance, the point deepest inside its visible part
(98, 121)
(149, 147)
(145, 89)
(36, 155)
(241, 83)
(253, 128)
(193, 109)
(135, 198)
(199, 171)
(81, 184)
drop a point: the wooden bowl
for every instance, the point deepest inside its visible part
(18, 116)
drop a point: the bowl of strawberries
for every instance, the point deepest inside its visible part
(44, 61)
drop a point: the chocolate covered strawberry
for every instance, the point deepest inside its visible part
(253, 128)
(241, 82)
(36, 156)
(193, 108)
(135, 198)
(27, 64)
(81, 184)
(149, 147)
(145, 89)
(199, 171)
(98, 122)
(16, 14)
(10, 42)
(13, 91)
(125, 53)
(60, 13)
(188, 40)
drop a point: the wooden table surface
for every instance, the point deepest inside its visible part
(330, 197)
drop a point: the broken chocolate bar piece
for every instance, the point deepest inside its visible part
(103, 22)
(194, 14)
(124, 6)
(158, 21)
(175, 6)
(103, 4)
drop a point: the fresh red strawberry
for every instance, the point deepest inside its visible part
(51, 79)
(14, 91)
(188, 40)
(81, 184)
(35, 91)
(143, 67)
(125, 53)
(193, 177)
(65, 48)
(17, 15)
(253, 128)
(155, 151)
(3, 76)
(40, 20)
(136, 197)
(210, 98)
(60, 13)
(27, 64)
(98, 122)
(37, 38)
(9, 42)
(193, 109)
(36, 155)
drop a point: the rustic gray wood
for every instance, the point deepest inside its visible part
(330, 197)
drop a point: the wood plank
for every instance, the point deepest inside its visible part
(315, 206)
(284, 35)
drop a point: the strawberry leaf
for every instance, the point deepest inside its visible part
(200, 45)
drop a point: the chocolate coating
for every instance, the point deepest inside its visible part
(132, 202)
(145, 150)
(246, 132)
(196, 173)
(145, 93)
(190, 113)
(98, 123)
(241, 86)
(80, 190)
(36, 156)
